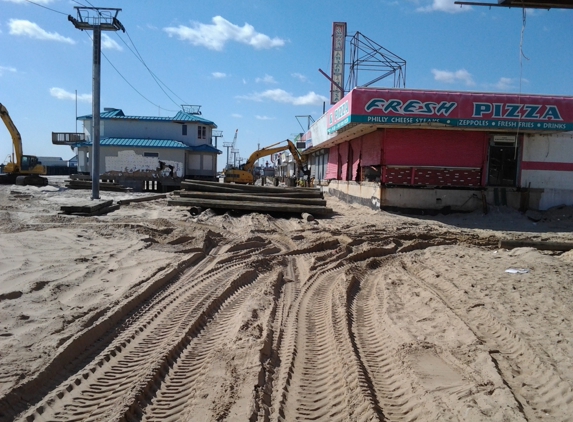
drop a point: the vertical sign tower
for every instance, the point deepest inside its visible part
(338, 54)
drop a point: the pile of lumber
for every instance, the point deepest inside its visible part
(85, 182)
(89, 208)
(200, 195)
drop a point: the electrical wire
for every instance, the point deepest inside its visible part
(126, 81)
(45, 7)
(153, 74)
(136, 53)
(158, 81)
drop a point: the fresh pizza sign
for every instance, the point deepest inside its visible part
(449, 109)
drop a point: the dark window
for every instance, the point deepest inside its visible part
(204, 132)
(198, 132)
(184, 130)
(151, 154)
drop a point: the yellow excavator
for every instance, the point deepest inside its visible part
(21, 169)
(244, 175)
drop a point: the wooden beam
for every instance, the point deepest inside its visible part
(205, 186)
(141, 199)
(251, 206)
(253, 198)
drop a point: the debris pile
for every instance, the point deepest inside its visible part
(200, 195)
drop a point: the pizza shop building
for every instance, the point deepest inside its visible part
(437, 149)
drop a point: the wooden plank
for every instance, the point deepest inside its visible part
(110, 187)
(252, 198)
(85, 207)
(141, 199)
(538, 244)
(251, 206)
(262, 195)
(204, 187)
(100, 211)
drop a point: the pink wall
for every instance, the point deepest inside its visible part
(419, 147)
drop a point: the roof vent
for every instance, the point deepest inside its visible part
(191, 109)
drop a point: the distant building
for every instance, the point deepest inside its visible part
(56, 166)
(147, 148)
(73, 162)
(53, 161)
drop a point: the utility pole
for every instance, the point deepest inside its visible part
(96, 19)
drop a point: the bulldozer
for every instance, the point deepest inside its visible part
(244, 175)
(21, 169)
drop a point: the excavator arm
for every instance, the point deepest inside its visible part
(250, 164)
(24, 169)
(14, 133)
(245, 175)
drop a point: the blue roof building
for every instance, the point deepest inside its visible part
(149, 147)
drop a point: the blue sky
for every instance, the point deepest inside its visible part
(253, 65)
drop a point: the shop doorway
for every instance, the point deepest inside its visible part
(502, 164)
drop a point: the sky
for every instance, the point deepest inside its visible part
(253, 65)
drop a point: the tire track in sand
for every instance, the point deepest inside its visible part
(539, 391)
(172, 394)
(107, 387)
(320, 376)
(379, 350)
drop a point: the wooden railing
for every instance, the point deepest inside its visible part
(67, 138)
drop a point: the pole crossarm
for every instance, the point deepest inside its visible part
(103, 17)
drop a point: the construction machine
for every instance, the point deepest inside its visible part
(21, 169)
(244, 175)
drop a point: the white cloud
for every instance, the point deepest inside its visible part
(108, 44)
(264, 117)
(32, 30)
(446, 76)
(219, 75)
(267, 79)
(281, 96)
(444, 6)
(300, 77)
(504, 84)
(62, 94)
(237, 115)
(215, 36)
(6, 69)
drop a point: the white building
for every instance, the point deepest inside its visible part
(145, 147)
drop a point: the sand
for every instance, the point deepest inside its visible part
(149, 313)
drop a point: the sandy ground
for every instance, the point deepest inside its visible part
(151, 314)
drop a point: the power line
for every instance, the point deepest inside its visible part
(77, 2)
(45, 7)
(125, 79)
(153, 74)
(158, 81)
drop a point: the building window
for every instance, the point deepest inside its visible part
(184, 130)
(151, 154)
(202, 132)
